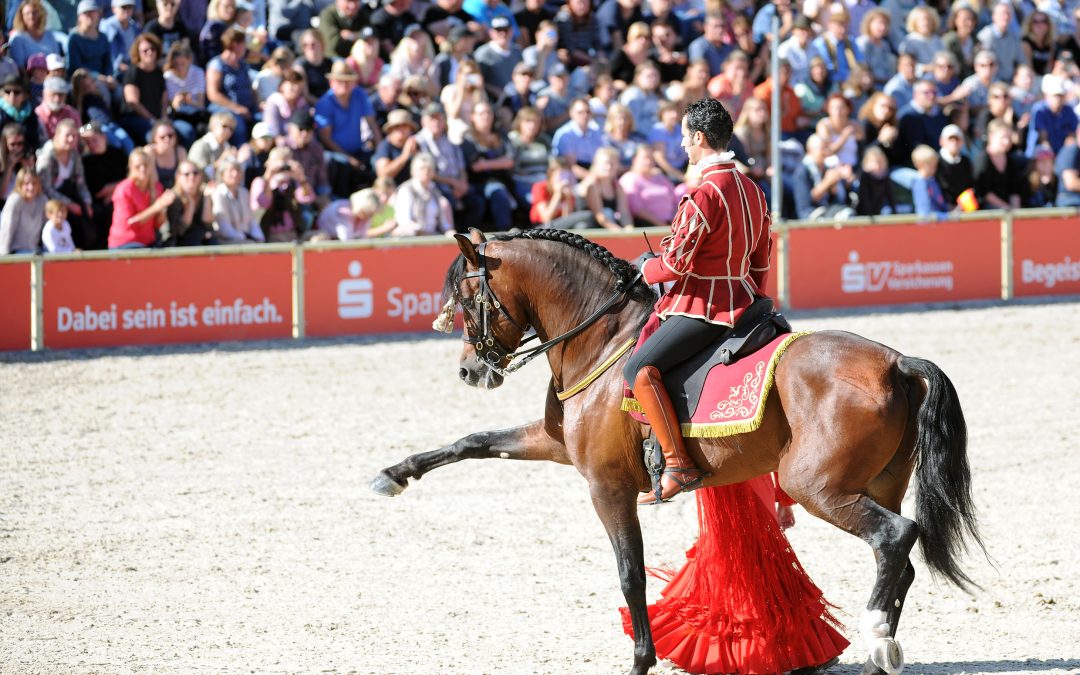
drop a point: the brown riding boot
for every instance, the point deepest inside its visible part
(680, 472)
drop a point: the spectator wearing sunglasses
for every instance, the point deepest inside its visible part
(15, 108)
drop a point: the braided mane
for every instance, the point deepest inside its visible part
(626, 275)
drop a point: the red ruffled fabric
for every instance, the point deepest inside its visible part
(742, 603)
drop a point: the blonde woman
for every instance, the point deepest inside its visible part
(365, 60)
(922, 41)
(29, 35)
(23, 215)
(460, 97)
(621, 134)
(634, 52)
(604, 197)
(189, 219)
(413, 55)
(139, 204)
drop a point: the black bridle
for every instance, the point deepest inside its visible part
(489, 349)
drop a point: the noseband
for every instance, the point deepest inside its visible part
(488, 348)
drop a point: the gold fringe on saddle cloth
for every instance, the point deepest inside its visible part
(744, 399)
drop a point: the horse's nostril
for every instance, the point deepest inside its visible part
(464, 373)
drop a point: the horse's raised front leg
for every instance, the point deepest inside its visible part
(529, 441)
(618, 512)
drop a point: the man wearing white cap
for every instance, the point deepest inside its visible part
(955, 172)
(54, 108)
(1052, 122)
(121, 30)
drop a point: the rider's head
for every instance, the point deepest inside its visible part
(706, 128)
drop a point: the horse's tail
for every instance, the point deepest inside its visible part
(944, 508)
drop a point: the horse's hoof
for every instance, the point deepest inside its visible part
(386, 486)
(887, 656)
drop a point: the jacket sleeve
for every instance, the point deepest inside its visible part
(688, 230)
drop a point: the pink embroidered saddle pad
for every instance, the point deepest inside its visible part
(714, 400)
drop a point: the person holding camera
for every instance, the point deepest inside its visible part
(279, 196)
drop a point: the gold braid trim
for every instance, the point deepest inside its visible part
(721, 429)
(597, 372)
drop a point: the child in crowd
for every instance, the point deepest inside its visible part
(925, 191)
(37, 69)
(56, 236)
(349, 219)
(874, 195)
(269, 78)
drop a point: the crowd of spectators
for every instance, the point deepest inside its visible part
(133, 123)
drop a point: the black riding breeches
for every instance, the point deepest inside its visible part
(677, 339)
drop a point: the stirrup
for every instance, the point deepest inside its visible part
(684, 485)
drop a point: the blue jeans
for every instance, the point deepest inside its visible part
(500, 205)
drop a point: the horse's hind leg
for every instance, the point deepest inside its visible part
(529, 441)
(891, 536)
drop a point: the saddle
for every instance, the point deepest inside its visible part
(759, 325)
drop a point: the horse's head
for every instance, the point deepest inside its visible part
(493, 329)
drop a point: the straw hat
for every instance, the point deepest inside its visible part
(399, 118)
(342, 71)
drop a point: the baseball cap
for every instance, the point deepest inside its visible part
(57, 84)
(1052, 85)
(302, 119)
(802, 23)
(37, 61)
(123, 3)
(500, 23)
(87, 6)
(367, 32)
(54, 62)
(261, 130)
(557, 70)
(1043, 151)
(433, 108)
(952, 131)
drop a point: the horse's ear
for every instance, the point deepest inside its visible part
(477, 236)
(468, 249)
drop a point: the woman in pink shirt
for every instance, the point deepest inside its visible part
(649, 193)
(139, 204)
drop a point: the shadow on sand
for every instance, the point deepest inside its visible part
(975, 667)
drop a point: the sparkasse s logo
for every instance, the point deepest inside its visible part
(874, 276)
(355, 297)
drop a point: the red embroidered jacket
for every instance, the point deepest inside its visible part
(718, 250)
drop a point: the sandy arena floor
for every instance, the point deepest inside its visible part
(206, 510)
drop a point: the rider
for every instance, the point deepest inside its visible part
(717, 255)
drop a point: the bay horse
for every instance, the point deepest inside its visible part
(848, 424)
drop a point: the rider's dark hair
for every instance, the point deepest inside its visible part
(711, 118)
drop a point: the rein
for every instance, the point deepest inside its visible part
(490, 351)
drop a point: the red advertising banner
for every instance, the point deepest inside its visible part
(158, 300)
(374, 290)
(893, 265)
(15, 306)
(1046, 256)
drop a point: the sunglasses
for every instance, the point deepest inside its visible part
(188, 173)
(228, 127)
(166, 135)
(12, 91)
